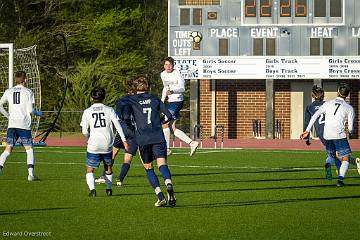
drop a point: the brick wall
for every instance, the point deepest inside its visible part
(238, 102)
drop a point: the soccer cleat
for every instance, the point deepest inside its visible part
(1, 170)
(358, 164)
(340, 183)
(100, 180)
(328, 174)
(193, 147)
(92, 193)
(119, 183)
(33, 178)
(108, 192)
(171, 195)
(169, 152)
(160, 203)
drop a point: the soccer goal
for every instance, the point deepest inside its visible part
(12, 60)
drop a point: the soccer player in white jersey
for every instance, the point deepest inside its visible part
(97, 125)
(337, 113)
(20, 105)
(174, 86)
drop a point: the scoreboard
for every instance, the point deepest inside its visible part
(248, 39)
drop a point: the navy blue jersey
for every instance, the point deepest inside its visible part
(146, 109)
(319, 124)
(120, 107)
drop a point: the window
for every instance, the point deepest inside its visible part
(335, 8)
(184, 16)
(199, 2)
(327, 46)
(314, 46)
(197, 16)
(270, 47)
(320, 8)
(258, 48)
(223, 47)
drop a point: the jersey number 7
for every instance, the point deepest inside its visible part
(148, 112)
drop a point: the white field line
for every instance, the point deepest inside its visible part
(203, 152)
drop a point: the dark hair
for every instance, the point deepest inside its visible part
(169, 59)
(317, 93)
(98, 94)
(343, 90)
(20, 77)
(141, 84)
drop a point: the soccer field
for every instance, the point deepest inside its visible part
(222, 194)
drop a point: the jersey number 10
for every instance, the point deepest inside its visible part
(16, 97)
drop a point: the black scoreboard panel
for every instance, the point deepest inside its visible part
(293, 12)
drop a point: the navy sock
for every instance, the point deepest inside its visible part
(153, 179)
(165, 172)
(124, 170)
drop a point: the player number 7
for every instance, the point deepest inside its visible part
(337, 107)
(148, 112)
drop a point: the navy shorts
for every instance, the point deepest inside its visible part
(13, 134)
(339, 146)
(174, 108)
(93, 159)
(133, 147)
(149, 153)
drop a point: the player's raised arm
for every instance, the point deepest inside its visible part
(350, 120)
(305, 134)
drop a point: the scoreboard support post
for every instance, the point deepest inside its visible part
(194, 103)
(269, 114)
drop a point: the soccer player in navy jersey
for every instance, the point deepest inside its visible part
(318, 96)
(145, 110)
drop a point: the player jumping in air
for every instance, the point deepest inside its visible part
(337, 112)
(20, 101)
(97, 125)
(174, 87)
(145, 110)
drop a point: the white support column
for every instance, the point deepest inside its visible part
(213, 106)
(10, 46)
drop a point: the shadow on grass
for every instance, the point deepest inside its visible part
(24, 211)
(265, 188)
(206, 182)
(265, 202)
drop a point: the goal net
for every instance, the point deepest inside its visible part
(22, 59)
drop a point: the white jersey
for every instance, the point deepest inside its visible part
(20, 101)
(97, 121)
(172, 82)
(337, 113)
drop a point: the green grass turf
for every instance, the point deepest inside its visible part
(227, 194)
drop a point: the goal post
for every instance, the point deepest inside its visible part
(24, 59)
(10, 50)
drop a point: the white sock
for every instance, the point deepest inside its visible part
(168, 181)
(166, 132)
(108, 179)
(3, 157)
(30, 157)
(182, 136)
(343, 168)
(90, 180)
(31, 171)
